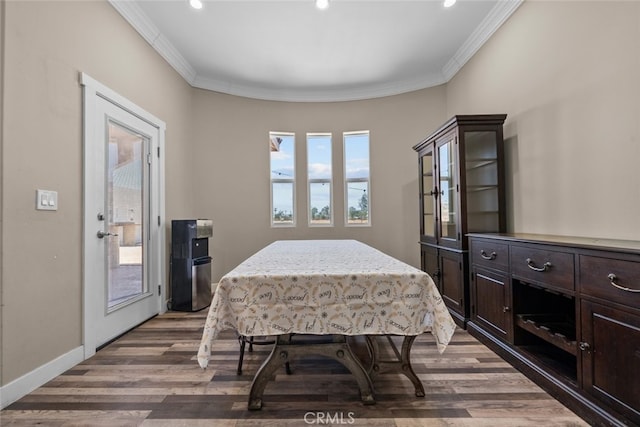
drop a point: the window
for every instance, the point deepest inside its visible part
(282, 149)
(319, 179)
(356, 178)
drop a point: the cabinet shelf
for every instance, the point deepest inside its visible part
(555, 329)
(478, 163)
(473, 188)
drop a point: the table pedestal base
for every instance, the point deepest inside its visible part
(284, 350)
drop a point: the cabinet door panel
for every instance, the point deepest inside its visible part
(491, 307)
(451, 280)
(611, 363)
(429, 263)
(448, 188)
(427, 195)
(483, 181)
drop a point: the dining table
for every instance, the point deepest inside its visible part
(329, 290)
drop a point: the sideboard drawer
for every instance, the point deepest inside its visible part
(543, 267)
(611, 279)
(490, 254)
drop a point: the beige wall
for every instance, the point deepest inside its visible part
(567, 74)
(232, 169)
(209, 169)
(2, 26)
(47, 45)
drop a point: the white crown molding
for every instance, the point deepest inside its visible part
(319, 95)
(147, 29)
(166, 49)
(496, 17)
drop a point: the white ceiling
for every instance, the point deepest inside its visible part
(289, 50)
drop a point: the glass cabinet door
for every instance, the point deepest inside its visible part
(428, 226)
(482, 187)
(448, 227)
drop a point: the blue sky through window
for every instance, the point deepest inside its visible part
(319, 163)
(282, 168)
(356, 158)
(320, 175)
(356, 154)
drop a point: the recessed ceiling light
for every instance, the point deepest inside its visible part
(322, 4)
(196, 4)
(449, 3)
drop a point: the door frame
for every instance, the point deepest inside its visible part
(92, 90)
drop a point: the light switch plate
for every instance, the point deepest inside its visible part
(46, 200)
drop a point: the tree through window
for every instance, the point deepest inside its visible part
(283, 168)
(356, 172)
(319, 179)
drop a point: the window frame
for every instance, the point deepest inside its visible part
(291, 180)
(320, 181)
(345, 135)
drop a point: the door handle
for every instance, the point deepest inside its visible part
(101, 234)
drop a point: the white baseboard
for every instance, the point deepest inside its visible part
(24, 385)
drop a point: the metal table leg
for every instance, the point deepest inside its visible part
(285, 350)
(402, 364)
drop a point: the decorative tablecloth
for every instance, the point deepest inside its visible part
(325, 287)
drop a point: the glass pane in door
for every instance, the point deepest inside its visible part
(124, 219)
(446, 160)
(428, 209)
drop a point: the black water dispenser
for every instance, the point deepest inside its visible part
(190, 264)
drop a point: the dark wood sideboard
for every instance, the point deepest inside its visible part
(566, 312)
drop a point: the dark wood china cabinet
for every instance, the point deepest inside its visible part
(461, 180)
(566, 312)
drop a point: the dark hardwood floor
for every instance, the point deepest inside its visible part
(150, 377)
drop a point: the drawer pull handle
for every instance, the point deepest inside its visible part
(484, 255)
(531, 265)
(612, 280)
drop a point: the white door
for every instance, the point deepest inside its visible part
(122, 206)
